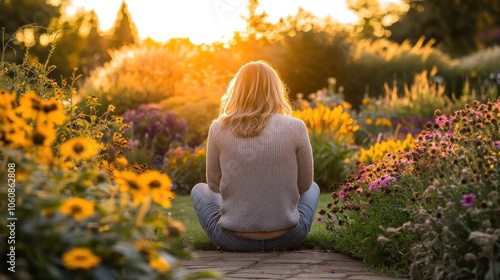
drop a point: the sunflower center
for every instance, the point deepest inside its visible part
(38, 139)
(75, 209)
(49, 108)
(154, 184)
(133, 185)
(35, 104)
(78, 148)
(80, 258)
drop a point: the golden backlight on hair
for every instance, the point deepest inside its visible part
(253, 95)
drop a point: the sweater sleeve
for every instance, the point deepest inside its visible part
(213, 165)
(305, 160)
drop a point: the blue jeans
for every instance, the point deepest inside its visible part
(207, 207)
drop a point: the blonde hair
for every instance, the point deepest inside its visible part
(253, 95)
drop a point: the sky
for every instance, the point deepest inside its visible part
(204, 21)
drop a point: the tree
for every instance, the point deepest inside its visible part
(38, 14)
(307, 59)
(373, 18)
(124, 29)
(78, 44)
(95, 53)
(257, 22)
(460, 27)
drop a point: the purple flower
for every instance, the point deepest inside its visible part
(154, 128)
(380, 183)
(468, 200)
(320, 219)
(375, 185)
(386, 180)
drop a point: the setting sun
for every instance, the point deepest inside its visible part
(203, 21)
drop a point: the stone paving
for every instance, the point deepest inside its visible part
(304, 264)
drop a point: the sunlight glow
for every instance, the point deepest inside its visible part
(203, 21)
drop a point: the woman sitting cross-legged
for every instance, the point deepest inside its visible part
(260, 194)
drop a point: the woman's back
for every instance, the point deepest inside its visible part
(260, 176)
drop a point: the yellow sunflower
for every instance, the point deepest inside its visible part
(52, 111)
(80, 148)
(9, 117)
(159, 185)
(15, 135)
(44, 155)
(159, 264)
(128, 181)
(43, 136)
(30, 105)
(78, 208)
(80, 258)
(144, 246)
(174, 228)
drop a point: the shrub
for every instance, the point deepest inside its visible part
(331, 132)
(199, 110)
(137, 75)
(480, 64)
(153, 132)
(330, 97)
(73, 221)
(368, 201)
(186, 167)
(78, 209)
(434, 208)
(377, 62)
(456, 218)
(409, 111)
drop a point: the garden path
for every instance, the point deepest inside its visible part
(302, 264)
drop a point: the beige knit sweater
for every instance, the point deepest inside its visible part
(260, 178)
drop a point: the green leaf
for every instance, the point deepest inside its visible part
(205, 274)
(102, 272)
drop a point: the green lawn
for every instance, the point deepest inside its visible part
(195, 238)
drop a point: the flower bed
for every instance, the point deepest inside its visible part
(432, 211)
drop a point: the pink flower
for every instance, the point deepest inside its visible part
(341, 194)
(363, 177)
(320, 219)
(441, 120)
(468, 200)
(496, 144)
(381, 183)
